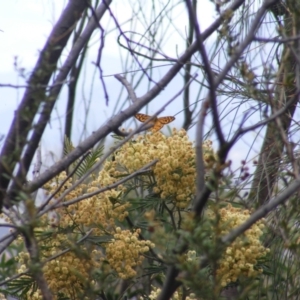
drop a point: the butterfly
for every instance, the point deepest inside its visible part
(158, 123)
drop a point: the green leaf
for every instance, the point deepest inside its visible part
(90, 161)
(117, 137)
(19, 288)
(68, 146)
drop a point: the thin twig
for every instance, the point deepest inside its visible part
(100, 51)
(6, 240)
(115, 121)
(63, 182)
(277, 40)
(49, 105)
(32, 98)
(209, 73)
(127, 41)
(128, 87)
(263, 211)
(94, 168)
(34, 87)
(200, 168)
(121, 143)
(277, 114)
(107, 188)
(247, 40)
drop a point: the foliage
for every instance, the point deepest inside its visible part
(135, 226)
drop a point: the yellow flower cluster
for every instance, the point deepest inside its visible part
(22, 258)
(241, 256)
(124, 252)
(176, 296)
(53, 184)
(69, 273)
(174, 172)
(209, 156)
(99, 211)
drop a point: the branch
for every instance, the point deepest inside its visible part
(94, 168)
(188, 113)
(248, 39)
(128, 43)
(202, 198)
(277, 40)
(35, 93)
(128, 87)
(242, 131)
(170, 284)
(100, 51)
(209, 73)
(200, 169)
(35, 264)
(27, 86)
(262, 212)
(109, 187)
(54, 92)
(6, 240)
(64, 181)
(115, 122)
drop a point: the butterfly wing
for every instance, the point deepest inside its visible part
(166, 120)
(142, 117)
(158, 123)
(157, 126)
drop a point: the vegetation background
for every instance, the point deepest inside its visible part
(101, 206)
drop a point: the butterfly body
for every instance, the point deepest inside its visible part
(158, 123)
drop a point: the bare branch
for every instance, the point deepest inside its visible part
(95, 167)
(35, 264)
(263, 211)
(46, 64)
(200, 169)
(277, 40)
(247, 40)
(128, 87)
(63, 182)
(242, 131)
(102, 43)
(209, 73)
(170, 284)
(109, 187)
(6, 240)
(188, 114)
(47, 108)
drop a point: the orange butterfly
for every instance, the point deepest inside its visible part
(158, 123)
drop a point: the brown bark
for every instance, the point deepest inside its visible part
(266, 174)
